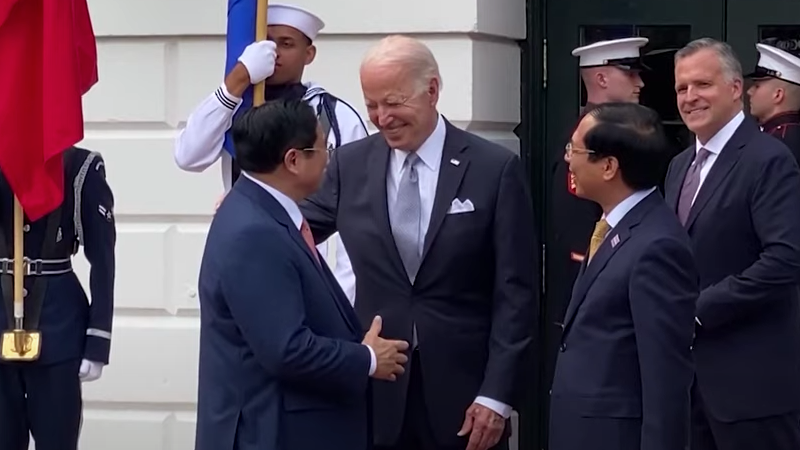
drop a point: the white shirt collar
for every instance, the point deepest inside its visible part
(624, 207)
(430, 152)
(288, 204)
(719, 140)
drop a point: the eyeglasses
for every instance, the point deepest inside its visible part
(316, 149)
(571, 150)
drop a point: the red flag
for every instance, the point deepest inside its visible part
(49, 58)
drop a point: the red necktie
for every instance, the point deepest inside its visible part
(306, 232)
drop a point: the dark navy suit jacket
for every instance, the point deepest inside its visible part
(624, 370)
(281, 364)
(745, 231)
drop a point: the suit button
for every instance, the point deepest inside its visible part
(563, 347)
(26, 228)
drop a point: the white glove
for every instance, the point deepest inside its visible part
(259, 60)
(90, 370)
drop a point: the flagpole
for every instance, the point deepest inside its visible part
(20, 344)
(19, 279)
(261, 35)
(19, 267)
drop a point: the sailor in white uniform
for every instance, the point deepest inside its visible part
(280, 62)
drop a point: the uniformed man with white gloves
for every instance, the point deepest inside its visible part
(280, 62)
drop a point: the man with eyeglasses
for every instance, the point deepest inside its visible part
(624, 363)
(610, 73)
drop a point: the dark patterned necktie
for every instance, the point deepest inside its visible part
(690, 185)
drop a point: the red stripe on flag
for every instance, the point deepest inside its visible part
(49, 50)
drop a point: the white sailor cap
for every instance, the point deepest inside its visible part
(623, 53)
(293, 16)
(776, 63)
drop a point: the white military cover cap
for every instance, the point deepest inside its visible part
(623, 53)
(776, 63)
(293, 16)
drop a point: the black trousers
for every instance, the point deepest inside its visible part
(40, 400)
(416, 433)
(768, 433)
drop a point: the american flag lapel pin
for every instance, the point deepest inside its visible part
(614, 241)
(455, 162)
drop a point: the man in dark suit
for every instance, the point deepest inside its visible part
(624, 370)
(736, 192)
(439, 227)
(282, 364)
(775, 95)
(610, 71)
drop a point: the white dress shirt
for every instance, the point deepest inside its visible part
(715, 146)
(297, 219)
(624, 207)
(430, 155)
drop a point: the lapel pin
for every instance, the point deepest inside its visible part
(614, 241)
(455, 162)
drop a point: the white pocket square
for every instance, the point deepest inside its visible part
(459, 207)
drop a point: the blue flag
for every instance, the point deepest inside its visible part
(241, 32)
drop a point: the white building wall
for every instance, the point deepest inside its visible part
(158, 59)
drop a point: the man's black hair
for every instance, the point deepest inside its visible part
(263, 134)
(634, 135)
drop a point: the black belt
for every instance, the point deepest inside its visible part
(38, 267)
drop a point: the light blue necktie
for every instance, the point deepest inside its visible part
(405, 217)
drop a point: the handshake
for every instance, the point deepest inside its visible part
(389, 354)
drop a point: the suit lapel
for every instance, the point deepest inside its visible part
(722, 167)
(451, 171)
(615, 239)
(276, 210)
(594, 268)
(378, 166)
(345, 309)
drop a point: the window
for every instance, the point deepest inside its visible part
(784, 37)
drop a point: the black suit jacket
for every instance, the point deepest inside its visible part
(745, 231)
(474, 298)
(626, 348)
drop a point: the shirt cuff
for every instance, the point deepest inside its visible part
(373, 361)
(498, 407)
(225, 98)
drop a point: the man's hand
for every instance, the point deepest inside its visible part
(484, 426)
(259, 60)
(90, 371)
(256, 64)
(389, 354)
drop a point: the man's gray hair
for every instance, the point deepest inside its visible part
(731, 66)
(408, 53)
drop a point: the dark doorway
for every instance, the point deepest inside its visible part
(553, 95)
(668, 26)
